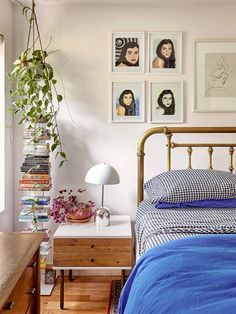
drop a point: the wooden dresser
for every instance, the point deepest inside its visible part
(19, 272)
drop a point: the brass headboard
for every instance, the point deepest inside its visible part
(170, 145)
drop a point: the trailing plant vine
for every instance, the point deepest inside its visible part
(36, 99)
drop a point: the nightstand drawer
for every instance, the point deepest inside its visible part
(92, 252)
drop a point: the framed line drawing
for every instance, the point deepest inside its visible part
(127, 101)
(166, 100)
(215, 75)
(127, 52)
(165, 52)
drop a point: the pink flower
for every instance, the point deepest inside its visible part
(63, 205)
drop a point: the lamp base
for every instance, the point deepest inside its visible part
(102, 217)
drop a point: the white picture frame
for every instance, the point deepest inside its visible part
(166, 101)
(171, 42)
(128, 52)
(131, 92)
(214, 75)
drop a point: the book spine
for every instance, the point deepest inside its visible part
(39, 185)
(35, 189)
(34, 182)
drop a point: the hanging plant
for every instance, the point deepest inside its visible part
(37, 100)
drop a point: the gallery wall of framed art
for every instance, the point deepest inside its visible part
(155, 60)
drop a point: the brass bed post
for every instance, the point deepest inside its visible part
(210, 152)
(168, 136)
(140, 175)
(189, 151)
(231, 152)
(141, 154)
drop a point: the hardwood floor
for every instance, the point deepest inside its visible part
(83, 295)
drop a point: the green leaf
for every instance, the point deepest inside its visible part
(63, 155)
(45, 89)
(22, 120)
(59, 98)
(53, 147)
(61, 163)
(50, 76)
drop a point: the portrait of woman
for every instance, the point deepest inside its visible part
(127, 106)
(166, 101)
(129, 55)
(165, 55)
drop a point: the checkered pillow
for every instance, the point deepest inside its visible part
(179, 186)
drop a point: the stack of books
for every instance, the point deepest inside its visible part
(33, 199)
(42, 213)
(36, 149)
(38, 132)
(35, 182)
(36, 178)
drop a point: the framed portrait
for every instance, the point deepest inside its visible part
(127, 102)
(127, 52)
(165, 52)
(166, 100)
(215, 75)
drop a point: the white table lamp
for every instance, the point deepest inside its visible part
(102, 174)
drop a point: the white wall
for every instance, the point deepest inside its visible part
(82, 34)
(6, 28)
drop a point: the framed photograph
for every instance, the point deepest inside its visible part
(215, 75)
(127, 102)
(165, 52)
(127, 52)
(166, 102)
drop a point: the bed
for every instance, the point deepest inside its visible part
(186, 234)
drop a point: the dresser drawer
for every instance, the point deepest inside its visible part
(92, 252)
(22, 295)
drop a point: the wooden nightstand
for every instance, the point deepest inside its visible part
(86, 246)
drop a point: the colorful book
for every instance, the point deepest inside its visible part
(30, 200)
(36, 188)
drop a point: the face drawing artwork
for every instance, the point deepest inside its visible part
(165, 55)
(128, 53)
(166, 50)
(166, 101)
(132, 55)
(127, 106)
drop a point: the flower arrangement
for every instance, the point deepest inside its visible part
(69, 206)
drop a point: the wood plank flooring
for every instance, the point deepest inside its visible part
(83, 295)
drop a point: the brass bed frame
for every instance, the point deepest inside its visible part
(171, 145)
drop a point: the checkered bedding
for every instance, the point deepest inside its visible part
(155, 226)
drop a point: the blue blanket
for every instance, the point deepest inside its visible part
(194, 275)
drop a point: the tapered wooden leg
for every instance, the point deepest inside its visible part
(62, 290)
(122, 278)
(70, 275)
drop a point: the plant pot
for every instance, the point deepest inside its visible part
(85, 216)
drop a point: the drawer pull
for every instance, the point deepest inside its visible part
(92, 246)
(32, 291)
(9, 305)
(33, 265)
(92, 259)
